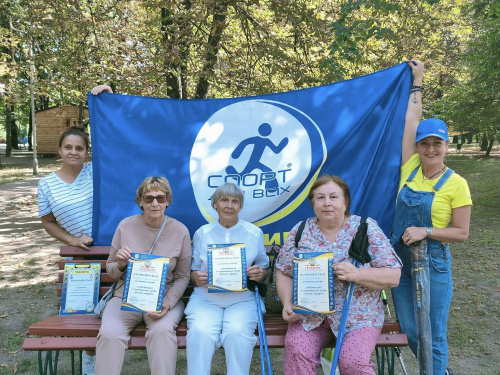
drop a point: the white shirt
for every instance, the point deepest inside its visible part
(71, 204)
(215, 233)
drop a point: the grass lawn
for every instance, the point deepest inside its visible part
(20, 166)
(474, 329)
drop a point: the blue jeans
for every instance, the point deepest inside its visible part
(414, 209)
(441, 290)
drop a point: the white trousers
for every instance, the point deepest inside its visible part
(214, 324)
(161, 339)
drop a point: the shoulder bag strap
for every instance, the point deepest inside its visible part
(298, 236)
(158, 235)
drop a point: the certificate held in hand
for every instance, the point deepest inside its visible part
(313, 283)
(227, 268)
(145, 283)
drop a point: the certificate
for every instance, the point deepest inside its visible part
(313, 283)
(145, 283)
(80, 290)
(227, 268)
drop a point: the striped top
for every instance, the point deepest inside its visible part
(71, 204)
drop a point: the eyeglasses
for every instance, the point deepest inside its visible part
(151, 198)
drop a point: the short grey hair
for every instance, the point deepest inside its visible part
(230, 190)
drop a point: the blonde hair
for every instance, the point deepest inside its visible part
(153, 183)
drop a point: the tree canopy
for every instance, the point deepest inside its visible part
(471, 104)
(227, 48)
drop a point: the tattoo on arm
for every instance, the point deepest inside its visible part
(414, 100)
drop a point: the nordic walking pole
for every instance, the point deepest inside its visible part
(261, 339)
(264, 350)
(262, 333)
(397, 350)
(421, 295)
(359, 254)
(342, 323)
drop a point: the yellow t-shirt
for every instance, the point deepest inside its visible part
(454, 193)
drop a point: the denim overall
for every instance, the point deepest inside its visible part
(413, 209)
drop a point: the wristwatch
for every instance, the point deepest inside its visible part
(429, 231)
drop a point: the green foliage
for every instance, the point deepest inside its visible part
(358, 23)
(471, 105)
(160, 48)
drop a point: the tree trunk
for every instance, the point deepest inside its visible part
(8, 131)
(490, 145)
(14, 138)
(30, 131)
(176, 63)
(80, 114)
(218, 27)
(484, 142)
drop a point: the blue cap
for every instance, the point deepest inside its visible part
(432, 127)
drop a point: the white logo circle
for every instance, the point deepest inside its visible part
(271, 150)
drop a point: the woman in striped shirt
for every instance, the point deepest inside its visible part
(65, 196)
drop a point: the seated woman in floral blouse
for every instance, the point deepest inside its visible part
(332, 230)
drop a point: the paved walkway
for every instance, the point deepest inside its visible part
(18, 192)
(22, 190)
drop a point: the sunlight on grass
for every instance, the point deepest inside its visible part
(20, 167)
(8, 175)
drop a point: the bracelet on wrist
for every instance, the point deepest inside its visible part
(417, 87)
(415, 90)
(429, 231)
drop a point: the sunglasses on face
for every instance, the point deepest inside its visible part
(151, 198)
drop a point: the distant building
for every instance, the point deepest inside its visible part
(51, 122)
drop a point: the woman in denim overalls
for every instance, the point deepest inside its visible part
(430, 197)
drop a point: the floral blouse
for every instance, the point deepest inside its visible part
(366, 309)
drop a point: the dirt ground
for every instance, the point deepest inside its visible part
(28, 271)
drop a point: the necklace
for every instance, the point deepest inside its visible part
(434, 175)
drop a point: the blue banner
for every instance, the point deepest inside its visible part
(273, 146)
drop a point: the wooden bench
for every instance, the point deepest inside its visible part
(79, 332)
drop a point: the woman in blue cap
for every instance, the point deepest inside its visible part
(433, 203)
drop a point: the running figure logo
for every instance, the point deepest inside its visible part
(259, 146)
(254, 144)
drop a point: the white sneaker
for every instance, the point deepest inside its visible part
(88, 364)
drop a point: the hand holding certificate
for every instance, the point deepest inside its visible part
(313, 283)
(227, 270)
(145, 283)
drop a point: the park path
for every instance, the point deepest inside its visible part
(28, 271)
(18, 191)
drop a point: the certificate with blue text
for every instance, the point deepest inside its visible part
(145, 283)
(227, 268)
(313, 283)
(80, 291)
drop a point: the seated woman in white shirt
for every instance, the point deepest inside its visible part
(224, 319)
